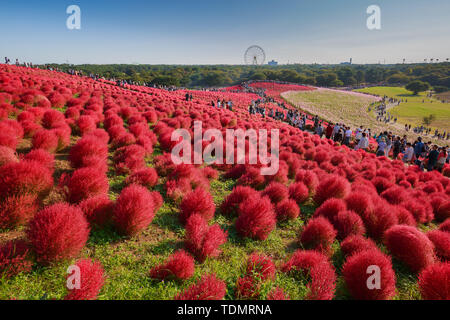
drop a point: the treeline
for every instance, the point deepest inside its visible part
(436, 74)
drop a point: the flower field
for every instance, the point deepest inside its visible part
(87, 181)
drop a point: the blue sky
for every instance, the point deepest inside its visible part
(218, 32)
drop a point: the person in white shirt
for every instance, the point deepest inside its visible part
(358, 134)
(347, 136)
(409, 153)
(363, 142)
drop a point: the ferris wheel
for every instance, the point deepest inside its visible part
(255, 55)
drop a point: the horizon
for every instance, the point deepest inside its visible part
(205, 33)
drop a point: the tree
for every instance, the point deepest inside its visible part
(427, 120)
(417, 86)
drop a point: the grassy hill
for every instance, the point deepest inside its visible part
(416, 108)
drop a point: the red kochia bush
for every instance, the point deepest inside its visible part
(434, 282)
(445, 226)
(14, 258)
(147, 177)
(277, 294)
(235, 198)
(43, 157)
(134, 210)
(331, 187)
(276, 192)
(202, 240)
(356, 243)
(179, 266)
(207, 288)
(441, 207)
(248, 287)
(441, 241)
(58, 232)
(359, 202)
(92, 280)
(260, 267)
(330, 209)
(17, 210)
(256, 218)
(410, 246)
(7, 155)
(319, 235)
(379, 220)
(356, 274)
(199, 202)
(25, 177)
(98, 210)
(348, 223)
(298, 192)
(287, 210)
(86, 183)
(314, 265)
(45, 139)
(87, 148)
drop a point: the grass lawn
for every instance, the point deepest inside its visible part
(417, 107)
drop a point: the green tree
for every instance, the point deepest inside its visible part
(417, 86)
(427, 120)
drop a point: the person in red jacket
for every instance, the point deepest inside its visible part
(329, 131)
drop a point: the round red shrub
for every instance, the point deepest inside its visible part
(43, 157)
(299, 192)
(202, 240)
(199, 202)
(17, 210)
(441, 241)
(57, 233)
(356, 243)
(86, 183)
(331, 187)
(98, 210)
(445, 226)
(277, 294)
(287, 210)
(46, 140)
(276, 192)
(379, 220)
(248, 288)
(134, 210)
(348, 223)
(7, 155)
(319, 235)
(92, 279)
(235, 198)
(25, 177)
(434, 280)
(360, 266)
(207, 288)
(410, 246)
(330, 208)
(256, 218)
(316, 266)
(179, 266)
(14, 258)
(146, 177)
(260, 266)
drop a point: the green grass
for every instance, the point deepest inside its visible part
(417, 107)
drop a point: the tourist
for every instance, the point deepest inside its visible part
(409, 153)
(432, 158)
